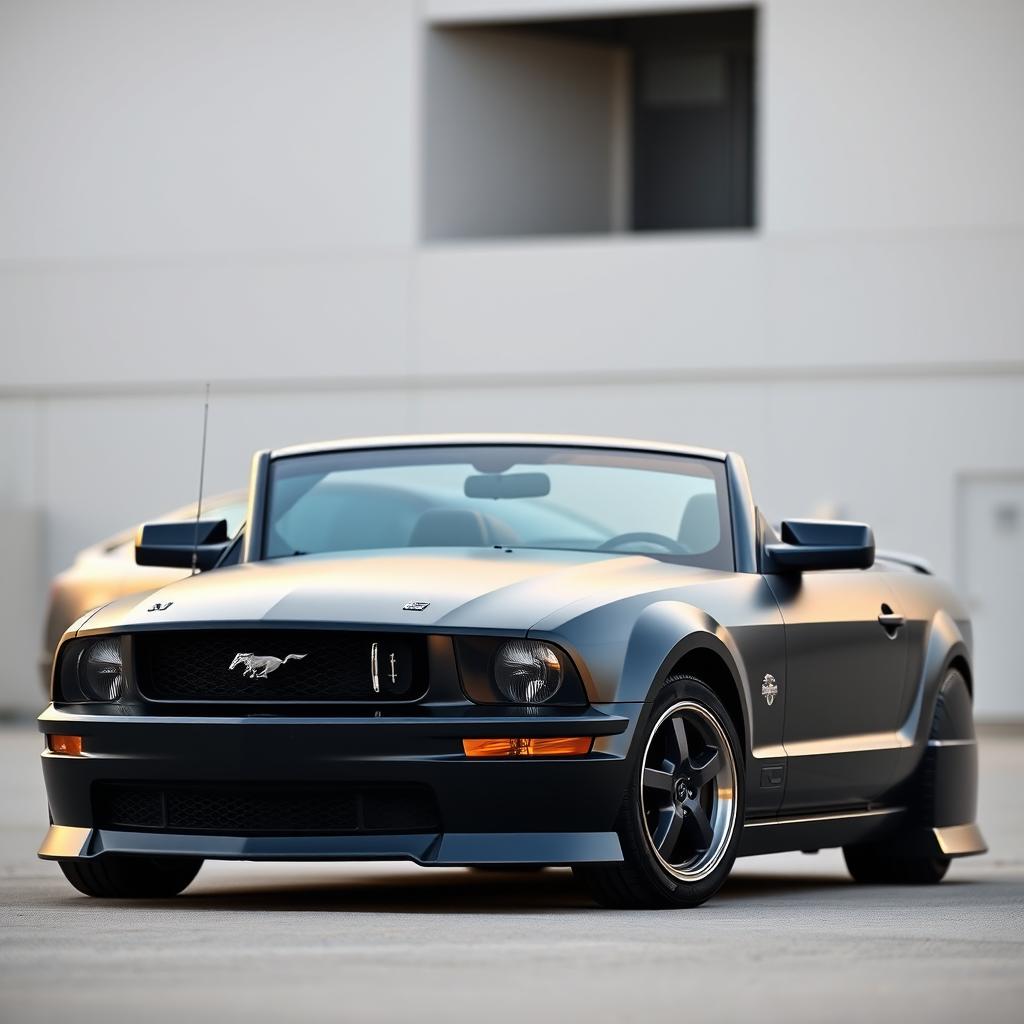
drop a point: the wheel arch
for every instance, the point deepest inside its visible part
(944, 790)
(671, 638)
(945, 648)
(959, 661)
(708, 665)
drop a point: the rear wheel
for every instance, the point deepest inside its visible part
(879, 863)
(111, 876)
(875, 865)
(680, 821)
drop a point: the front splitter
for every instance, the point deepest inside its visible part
(447, 849)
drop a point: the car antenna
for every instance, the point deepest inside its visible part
(202, 471)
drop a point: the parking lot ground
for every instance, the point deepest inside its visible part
(790, 938)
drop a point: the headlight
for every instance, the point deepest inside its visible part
(91, 670)
(530, 673)
(101, 671)
(527, 671)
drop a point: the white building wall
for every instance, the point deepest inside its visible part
(231, 191)
(892, 116)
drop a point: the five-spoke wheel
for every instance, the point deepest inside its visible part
(679, 826)
(687, 791)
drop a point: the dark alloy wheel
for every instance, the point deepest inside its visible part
(688, 791)
(112, 876)
(680, 822)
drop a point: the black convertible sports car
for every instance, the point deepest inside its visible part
(515, 651)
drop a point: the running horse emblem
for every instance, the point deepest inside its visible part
(259, 666)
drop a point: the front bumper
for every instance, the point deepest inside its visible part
(514, 811)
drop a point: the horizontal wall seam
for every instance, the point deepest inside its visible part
(423, 249)
(612, 378)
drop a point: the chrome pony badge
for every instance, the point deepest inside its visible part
(769, 689)
(415, 606)
(375, 667)
(259, 666)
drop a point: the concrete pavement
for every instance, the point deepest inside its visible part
(789, 939)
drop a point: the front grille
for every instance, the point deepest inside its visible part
(279, 666)
(265, 808)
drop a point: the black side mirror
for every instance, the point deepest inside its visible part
(172, 544)
(809, 544)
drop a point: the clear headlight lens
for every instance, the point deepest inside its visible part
(101, 671)
(527, 671)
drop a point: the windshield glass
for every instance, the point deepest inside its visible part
(530, 496)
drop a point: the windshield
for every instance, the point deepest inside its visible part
(530, 496)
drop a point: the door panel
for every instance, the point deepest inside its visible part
(845, 673)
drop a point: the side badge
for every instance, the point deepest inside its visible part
(769, 689)
(415, 606)
(158, 607)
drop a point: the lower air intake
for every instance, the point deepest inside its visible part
(271, 809)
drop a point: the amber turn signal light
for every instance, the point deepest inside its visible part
(70, 745)
(554, 746)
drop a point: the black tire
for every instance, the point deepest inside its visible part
(646, 879)
(872, 864)
(115, 877)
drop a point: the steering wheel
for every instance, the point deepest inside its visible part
(641, 537)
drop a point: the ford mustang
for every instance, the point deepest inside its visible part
(517, 651)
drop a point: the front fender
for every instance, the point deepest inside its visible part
(631, 674)
(665, 633)
(626, 651)
(662, 634)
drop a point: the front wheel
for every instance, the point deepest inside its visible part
(113, 876)
(680, 821)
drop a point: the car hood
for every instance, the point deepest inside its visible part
(464, 588)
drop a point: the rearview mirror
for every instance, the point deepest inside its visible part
(508, 485)
(809, 544)
(172, 544)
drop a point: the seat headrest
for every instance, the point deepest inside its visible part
(700, 530)
(458, 528)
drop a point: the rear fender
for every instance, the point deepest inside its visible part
(939, 766)
(944, 644)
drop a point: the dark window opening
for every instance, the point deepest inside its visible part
(586, 126)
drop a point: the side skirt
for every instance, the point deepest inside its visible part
(819, 831)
